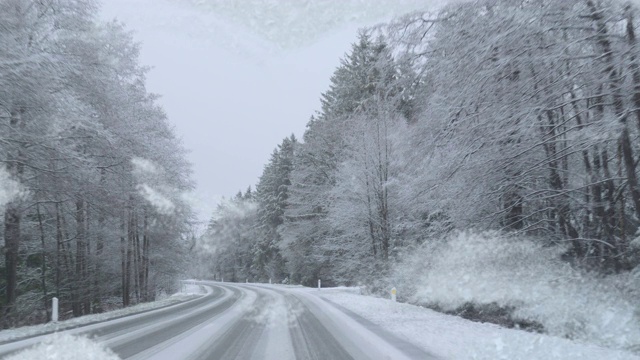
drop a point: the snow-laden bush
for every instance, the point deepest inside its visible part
(531, 279)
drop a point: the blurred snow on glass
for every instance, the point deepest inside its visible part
(143, 167)
(291, 24)
(160, 202)
(147, 174)
(9, 188)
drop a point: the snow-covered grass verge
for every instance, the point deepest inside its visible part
(66, 347)
(530, 282)
(190, 291)
(451, 337)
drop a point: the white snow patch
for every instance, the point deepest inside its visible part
(66, 347)
(144, 166)
(150, 187)
(160, 202)
(451, 337)
(9, 188)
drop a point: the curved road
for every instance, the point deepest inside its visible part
(246, 321)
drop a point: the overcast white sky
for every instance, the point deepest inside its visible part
(236, 77)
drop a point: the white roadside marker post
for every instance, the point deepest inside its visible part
(269, 281)
(247, 281)
(54, 309)
(393, 294)
(319, 284)
(222, 280)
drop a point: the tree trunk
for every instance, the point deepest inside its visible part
(129, 255)
(12, 218)
(43, 272)
(383, 177)
(634, 67)
(123, 261)
(66, 248)
(136, 257)
(80, 259)
(58, 250)
(97, 275)
(145, 256)
(11, 246)
(586, 220)
(372, 234)
(618, 103)
(86, 269)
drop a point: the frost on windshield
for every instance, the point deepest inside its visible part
(9, 188)
(291, 24)
(147, 174)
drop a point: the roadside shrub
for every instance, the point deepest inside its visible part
(510, 281)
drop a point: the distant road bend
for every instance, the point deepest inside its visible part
(245, 321)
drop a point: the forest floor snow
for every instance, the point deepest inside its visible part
(451, 337)
(189, 291)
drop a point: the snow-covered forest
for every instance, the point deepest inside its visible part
(483, 159)
(92, 173)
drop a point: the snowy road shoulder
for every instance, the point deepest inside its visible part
(189, 292)
(451, 337)
(66, 347)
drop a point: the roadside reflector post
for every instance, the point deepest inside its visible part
(247, 281)
(269, 281)
(54, 309)
(393, 294)
(319, 284)
(222, 279)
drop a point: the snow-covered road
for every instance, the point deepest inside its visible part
(246, 321)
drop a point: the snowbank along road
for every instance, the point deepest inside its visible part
(246, 321)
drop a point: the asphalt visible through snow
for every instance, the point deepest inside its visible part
(246, 321)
